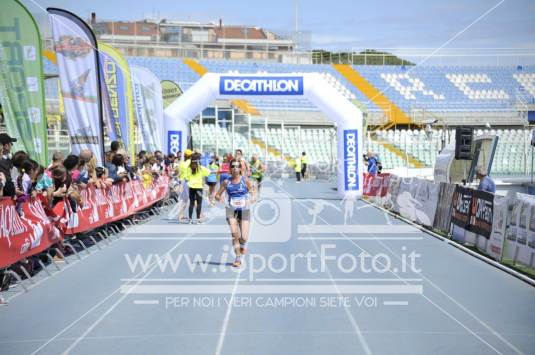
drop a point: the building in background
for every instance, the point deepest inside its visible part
(169, 38)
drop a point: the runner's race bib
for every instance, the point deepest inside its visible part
(239, 203)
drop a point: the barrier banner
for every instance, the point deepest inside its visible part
(499, 222)
(392, 192)
(425, 202)
(520, 227)
(443, 213)
(462, 199)
(99, 206)
(36, 229)
(460, 214)
(376, 185)
(24, 235)
(405, 203)
(481, 213)
(22, 92)
(403, 194)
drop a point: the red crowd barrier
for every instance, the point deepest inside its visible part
(376, 184)
(35, 229)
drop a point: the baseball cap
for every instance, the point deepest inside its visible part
(6, 139)
(188, 152)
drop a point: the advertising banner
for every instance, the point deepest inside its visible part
(35, 229)
(426, 201)
(520, 228)
(170, 92)
(78, 67)
(392, 192)
(376, 185)
(351, 169)
(117, 78)
(148, 104)
(260, 85)
(443, 215)
(104, 206)
(24, 235)
(22, 93)
(499, 223)
(460, 213)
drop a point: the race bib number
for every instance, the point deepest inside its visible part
(239, 202)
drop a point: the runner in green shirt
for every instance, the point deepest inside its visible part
(257, 173)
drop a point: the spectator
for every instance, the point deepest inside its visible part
(43, 182)
(141, 156)
(102, 180)
(63, 188)
(147, 173)
(18, 158)
(7, 188)
(85, 157)
(24, 183)
(3, 181)
(114, 146)
(372, 163)
(485, 182)
(7, 143)
(57, 160)
(117, 171)
(71, 165)
(91, 166)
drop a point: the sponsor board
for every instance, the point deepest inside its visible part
(261, 85)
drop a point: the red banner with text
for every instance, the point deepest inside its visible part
(35, 229)
(376, 184)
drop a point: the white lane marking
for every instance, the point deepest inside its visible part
(113, 306)
(89, 311)
(466, 310)
(352, 320)
(224, 327)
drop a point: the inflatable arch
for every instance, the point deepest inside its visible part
(347, 117)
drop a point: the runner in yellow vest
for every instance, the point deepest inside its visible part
(183, 198)
(304, 164)
(297, 168)
(195, 174)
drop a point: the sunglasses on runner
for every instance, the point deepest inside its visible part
(236, 165)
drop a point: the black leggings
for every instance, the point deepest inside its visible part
(195, 195)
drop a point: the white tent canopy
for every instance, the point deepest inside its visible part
(336, 107)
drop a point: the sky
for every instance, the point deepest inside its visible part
(342, 24)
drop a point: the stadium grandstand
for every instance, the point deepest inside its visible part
(497, 100)
(416, 162)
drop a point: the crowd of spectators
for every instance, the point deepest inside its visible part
(22, 178)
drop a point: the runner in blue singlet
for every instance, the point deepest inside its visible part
(237, 208)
